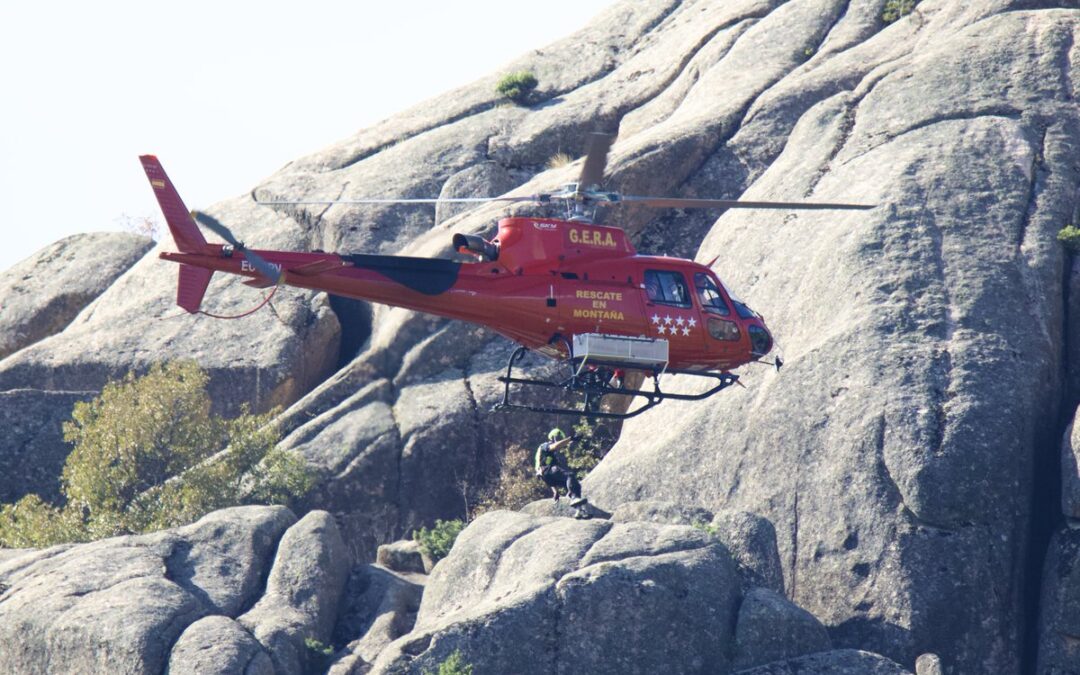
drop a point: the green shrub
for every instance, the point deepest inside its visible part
(453, 665)
(517, 86)
(148, 455)
(318, 647)
(706, 527)
(594, 441)
(438, 541)
(1069, 236)
(895, 9)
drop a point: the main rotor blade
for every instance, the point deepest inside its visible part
(425, 200)
(666, 202)
(264, 268)
(592, 173)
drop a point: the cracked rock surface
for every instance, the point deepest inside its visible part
(531, 594)
(894, 455)
(538, 595)
(929, 342)
(136, 603)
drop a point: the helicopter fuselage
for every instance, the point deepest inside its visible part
(538, 280)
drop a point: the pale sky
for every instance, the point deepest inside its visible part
(224, 93)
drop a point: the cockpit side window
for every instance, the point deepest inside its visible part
(668, 288)
(709, 295)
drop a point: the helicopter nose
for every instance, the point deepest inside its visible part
(761, 340)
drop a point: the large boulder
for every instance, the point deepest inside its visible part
(218, 645)
(378, 607)
(771, 628)
(750, 538)
(300, 602)
(42, 294)
(525, 594)
(838, 662)
(119, 605)
(1070, 470)
(1059, 606)
(32, 447)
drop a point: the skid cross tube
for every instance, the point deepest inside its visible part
(591, 390)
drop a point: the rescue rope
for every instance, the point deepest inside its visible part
(247, 313)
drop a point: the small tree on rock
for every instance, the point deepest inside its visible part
(517, 86)
(148, 455)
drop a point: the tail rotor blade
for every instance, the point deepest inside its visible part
(266, 269)
(215, 226)
(592, 173)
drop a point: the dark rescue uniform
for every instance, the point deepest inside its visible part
(548, 467)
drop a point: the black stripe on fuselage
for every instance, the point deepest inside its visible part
(430, 276)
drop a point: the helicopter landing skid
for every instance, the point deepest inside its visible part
(595, 383)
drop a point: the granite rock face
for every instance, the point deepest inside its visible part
(770, 628)
(118, 605)
(534, 594)
(892, 461)
(838, 662)
(218, 644)
(1070, 471)
(32, 447)
(537, 595)
(238, 591)
(379, 606)
(894, 467)
(302, 593)
(42, 294)
(1059, 621)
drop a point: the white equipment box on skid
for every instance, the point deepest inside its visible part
(629, 351)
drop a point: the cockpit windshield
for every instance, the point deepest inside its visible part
(741, 309)
(709, 295)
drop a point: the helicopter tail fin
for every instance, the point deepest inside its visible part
(185, 233)
(192, 286)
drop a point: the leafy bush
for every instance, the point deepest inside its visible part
(706, 527)
(438, 541)
(594, 441)
(1069, 236)
(517, 86)
(318, 647)
(453, 665)
(148, 455)
(895, 9)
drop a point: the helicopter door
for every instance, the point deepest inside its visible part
(598, 306)
(671, 312)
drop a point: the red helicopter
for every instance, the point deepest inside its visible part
(566, 288)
